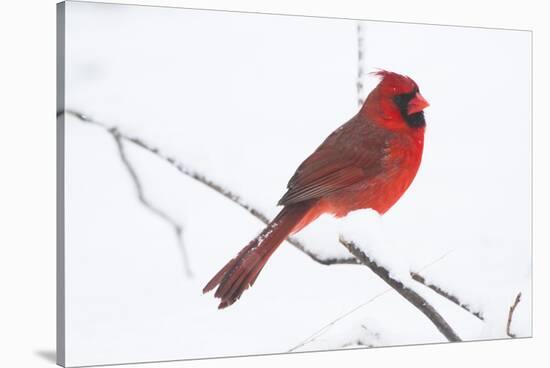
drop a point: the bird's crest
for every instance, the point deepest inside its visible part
(401, 82)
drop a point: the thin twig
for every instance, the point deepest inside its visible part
(322, 330)
(410, 295)
(511, 315)
(232, 196)
(360, 60)
(419, 278)
(178, 229)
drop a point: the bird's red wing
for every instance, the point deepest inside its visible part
(328, 170)
(321, 187)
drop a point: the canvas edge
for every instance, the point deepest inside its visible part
(60, 184)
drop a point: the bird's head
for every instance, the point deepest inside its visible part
(396, 102)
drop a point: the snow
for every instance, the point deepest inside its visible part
(243, 99)
(365, 228)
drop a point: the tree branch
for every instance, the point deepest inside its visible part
(232, 196)
(178, 229)
(410, 295)
(419, 278)
(184, 169)
(511, 315)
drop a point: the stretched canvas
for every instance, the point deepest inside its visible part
(182, 133)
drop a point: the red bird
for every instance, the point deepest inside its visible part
(369, 162)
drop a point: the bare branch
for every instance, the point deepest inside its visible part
(410, 295)
(184, 169)
(360, 60)
(232, 196)
(511, 315)
(178, 229)
(419, 278)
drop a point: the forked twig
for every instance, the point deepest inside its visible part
(178, 229)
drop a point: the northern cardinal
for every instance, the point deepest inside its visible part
(368, 162)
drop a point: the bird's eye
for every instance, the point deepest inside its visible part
(401, 101)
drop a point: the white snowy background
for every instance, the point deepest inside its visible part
(243, 99)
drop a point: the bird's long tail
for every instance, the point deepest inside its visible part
(241, 272)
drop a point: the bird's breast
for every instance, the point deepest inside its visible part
(381, 191)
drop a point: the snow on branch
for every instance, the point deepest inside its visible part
(511, 315)
(203, 179)
(419, 278)
(410, 295)
(359, 257)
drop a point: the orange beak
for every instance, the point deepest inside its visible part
(417, 104)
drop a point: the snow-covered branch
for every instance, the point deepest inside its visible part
(410, 295)
(203, 179)
(419, 278)
(359, 257)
